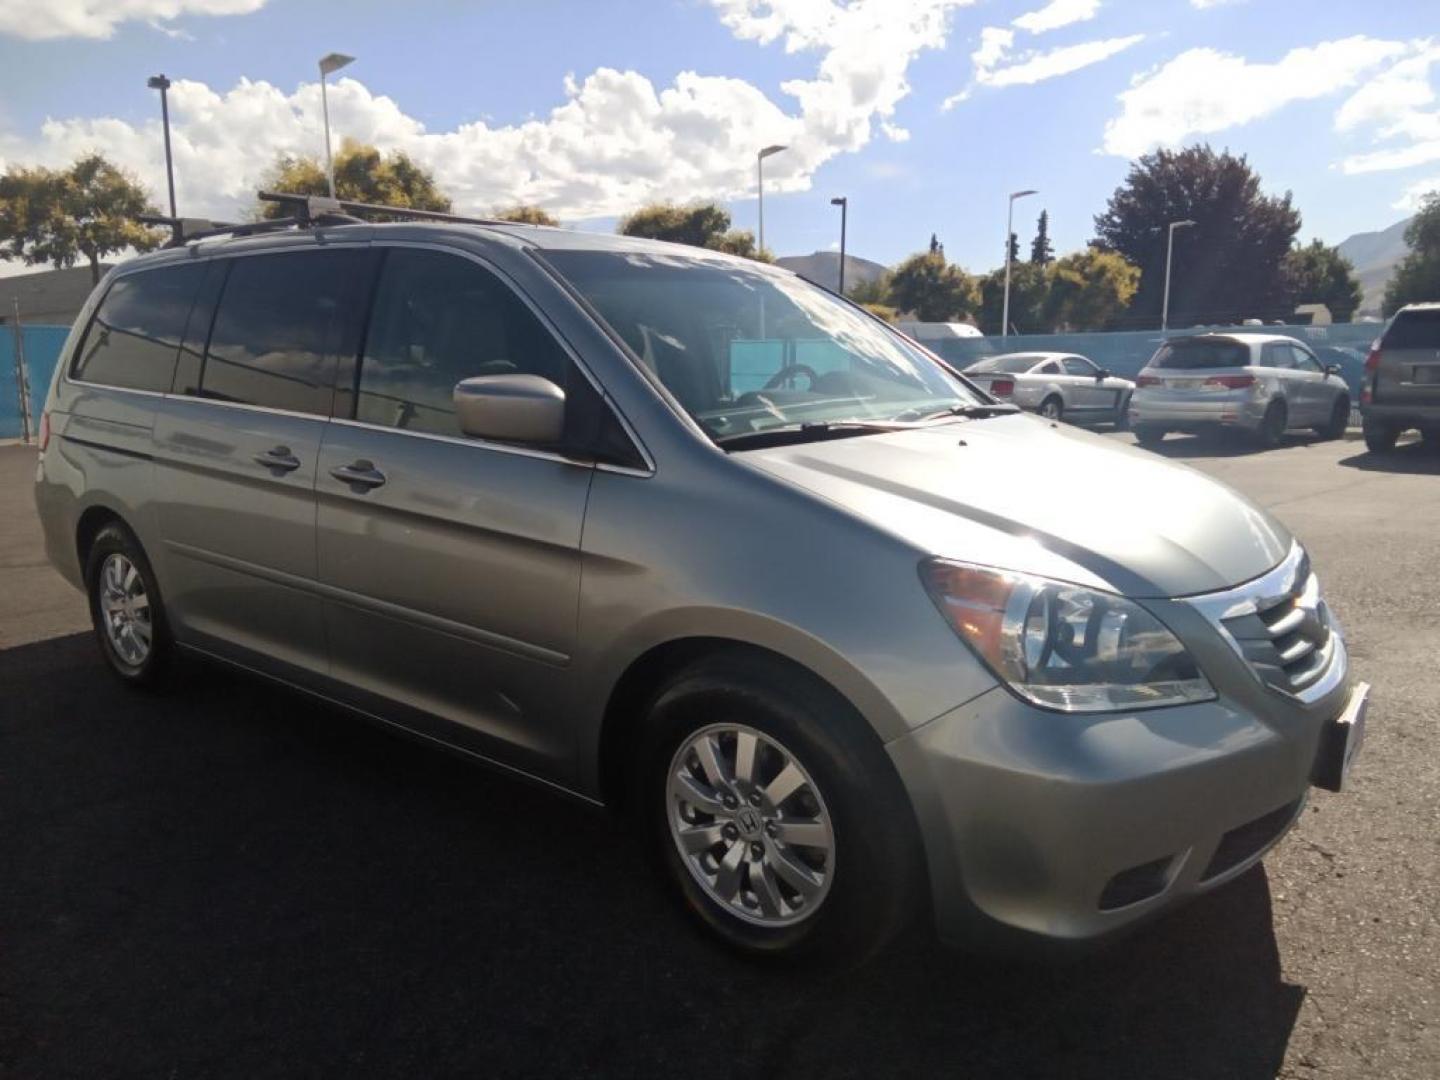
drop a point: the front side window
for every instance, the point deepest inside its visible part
(1303, 360)
(439, 319)
(747, 350)
(277, 330)
(1078, 365)
(135, 335)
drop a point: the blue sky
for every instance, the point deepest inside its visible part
(925, 113)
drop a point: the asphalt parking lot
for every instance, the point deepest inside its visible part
(224, 879)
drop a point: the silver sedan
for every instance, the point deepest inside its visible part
(1058, 386)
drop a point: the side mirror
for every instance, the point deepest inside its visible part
(1102, 373)
(511, 408)
(1332, 369)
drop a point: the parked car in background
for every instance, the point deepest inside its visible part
(1262, 384)
(842, 639)
(1402, 379)
(1058, 386)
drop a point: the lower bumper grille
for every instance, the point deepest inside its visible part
(1249, 839)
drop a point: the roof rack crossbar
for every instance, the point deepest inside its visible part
(317, 206)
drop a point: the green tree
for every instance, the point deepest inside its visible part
(933, 289)
(1230, 265)
(1319, 274)
(527, 215)
(362, 174)
(1042, 252)
(1088, 290)
(704, 225)
(60, 216)
(1417, 278)
(1028, 287)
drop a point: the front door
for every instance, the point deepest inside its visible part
(451, 566)
(236, 447)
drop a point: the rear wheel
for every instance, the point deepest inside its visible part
(125, 607)
(1273, 425)
(1148, 436)
(775, 813)
(1052, 408)
(1380, 438)
(1122, 416)
(1339, 420)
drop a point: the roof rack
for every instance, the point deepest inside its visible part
(186, 230)
(318, 206)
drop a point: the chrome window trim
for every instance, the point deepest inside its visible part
(1248, 599)
(269, 410)
(464, 440)
(118, 389)
(544, 320)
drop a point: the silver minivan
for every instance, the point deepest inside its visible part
(843, 638)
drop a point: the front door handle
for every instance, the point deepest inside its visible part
(278, 459)
(361, 475)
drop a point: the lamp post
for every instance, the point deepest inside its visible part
(760, 187)
(161, 83)
(1169, 251)
(1009, 231)
(844, 204)
(328, 64)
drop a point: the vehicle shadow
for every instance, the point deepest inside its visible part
(1414, 458)
(227, 878)
(1223, 444)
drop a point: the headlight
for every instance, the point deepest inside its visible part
(1064, 647)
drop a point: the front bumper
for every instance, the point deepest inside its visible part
(1074, 827)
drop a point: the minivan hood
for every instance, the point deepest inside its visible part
(1017, 493)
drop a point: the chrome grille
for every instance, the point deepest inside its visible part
(1280, 625)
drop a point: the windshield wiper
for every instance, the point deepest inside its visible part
(809, 431)
(977, 411)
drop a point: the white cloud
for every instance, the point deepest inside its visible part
(996, 67)
(37, 20)
(1056, 14)
(616, 141)
(1203, 4)
(1398, 105)
(1203, 91)
(1410, 200)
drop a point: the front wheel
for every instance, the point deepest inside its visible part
(1339, 420)
(125, 607)
(775, 813)
(1149, 437)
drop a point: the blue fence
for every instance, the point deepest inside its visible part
(1126, 352)
(42, 348)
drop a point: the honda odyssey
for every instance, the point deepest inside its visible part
(841, 636)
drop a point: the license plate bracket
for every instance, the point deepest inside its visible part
(1341, 741)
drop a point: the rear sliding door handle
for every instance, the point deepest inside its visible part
(360, 475)
(278, 460)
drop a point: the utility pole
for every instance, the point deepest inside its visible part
(22, 376)
(760, 191)
(161, 83)
(1009, 232)
(843, 203)
(1169, 251)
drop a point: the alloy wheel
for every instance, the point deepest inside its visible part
(750, 825)
(125, 610)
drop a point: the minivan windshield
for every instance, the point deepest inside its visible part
(752, 350)
(1201, 353)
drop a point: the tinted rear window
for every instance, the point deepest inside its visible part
(1200, 353)
(280, 323)
(136, 332)
(1414, 330)
(1013, 365)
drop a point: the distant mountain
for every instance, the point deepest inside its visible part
(823, 268)
(1375, 255)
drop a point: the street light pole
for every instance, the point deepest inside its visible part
(1170, 251)
(844, 204)
(1009, 231)
(760, 189)
(161, 83)
(328, 64)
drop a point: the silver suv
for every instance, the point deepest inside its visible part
(1262, 384)
(684, 535)
(1402, 379)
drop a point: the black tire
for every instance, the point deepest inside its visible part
(874, 866)
(1055, 406)
(1273, 424)
(115, 541)
(1339, 420)
(1380, 438)
(1122, 418)
(1149, 437)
